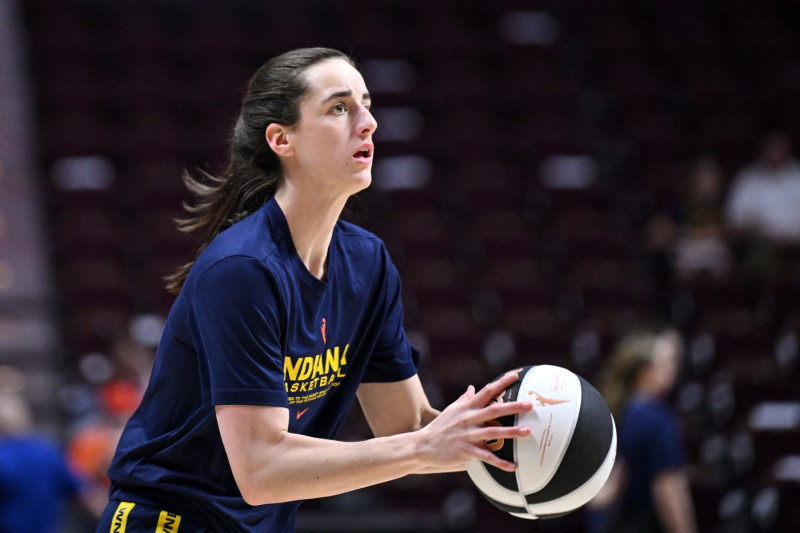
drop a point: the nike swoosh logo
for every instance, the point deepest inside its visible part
(301, 413)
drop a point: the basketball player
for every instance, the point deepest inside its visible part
(286, 315)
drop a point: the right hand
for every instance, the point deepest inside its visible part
(459, 433)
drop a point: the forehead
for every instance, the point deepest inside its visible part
(334, 75)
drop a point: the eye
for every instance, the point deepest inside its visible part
(338, 109)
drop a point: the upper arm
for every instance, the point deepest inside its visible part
(395, 407)
(236, 309)
(248, 432)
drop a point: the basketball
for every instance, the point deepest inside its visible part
(568, 456)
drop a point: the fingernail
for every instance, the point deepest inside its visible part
(524, 430)
(528, 406)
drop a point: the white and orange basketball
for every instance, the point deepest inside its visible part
(568, 457)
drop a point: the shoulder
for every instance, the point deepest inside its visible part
(230, 270)
(250, 237)
(32, 446)
(361, 245)
(354, 235)
(251, 245)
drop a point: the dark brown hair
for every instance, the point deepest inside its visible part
(273, 95)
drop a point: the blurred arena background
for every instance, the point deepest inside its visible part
(529, 157)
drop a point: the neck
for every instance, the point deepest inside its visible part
(311, 220)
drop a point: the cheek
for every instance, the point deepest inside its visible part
(314, 148)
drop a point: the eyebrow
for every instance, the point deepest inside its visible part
(346, 94)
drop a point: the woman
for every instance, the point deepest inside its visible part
(648, 491)
(285, 316)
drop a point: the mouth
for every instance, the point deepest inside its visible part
(364, 155)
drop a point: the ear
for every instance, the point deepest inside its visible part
(278, 140)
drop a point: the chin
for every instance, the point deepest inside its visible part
(363, 180)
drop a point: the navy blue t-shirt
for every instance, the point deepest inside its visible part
(650, 443)
(252, 326)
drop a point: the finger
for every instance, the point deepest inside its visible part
(494, 411)
(495, 388)
(482, 454)
(499, 410)
(490, 433)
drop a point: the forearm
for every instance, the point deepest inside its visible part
(673, 502)
(442, 470)
(272, 465)
(300, 467)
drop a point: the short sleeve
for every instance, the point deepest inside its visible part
(236, 303)
(393, 359)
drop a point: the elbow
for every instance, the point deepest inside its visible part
(263, 488)
(258, 496)
(248, 491)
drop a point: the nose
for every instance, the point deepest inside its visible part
(366, 122)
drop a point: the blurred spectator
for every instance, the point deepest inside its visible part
(700, 247)
(648, 490)
(93, 442)
(133, 362)
(763, 211)
(35, 482)
(687, 240)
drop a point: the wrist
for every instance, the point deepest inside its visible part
(419, 450)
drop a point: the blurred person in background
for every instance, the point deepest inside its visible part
(648, 490)
(94, 438)
(36, 484)
(686, 239)
(701, 248)
(764, 215)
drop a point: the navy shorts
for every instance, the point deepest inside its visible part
(128, 517)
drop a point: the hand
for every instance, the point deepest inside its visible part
(458, 434)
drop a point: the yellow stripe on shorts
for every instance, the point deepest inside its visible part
(168, 522)
(120, 520)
